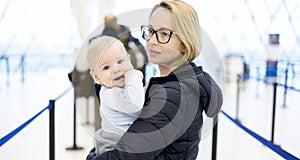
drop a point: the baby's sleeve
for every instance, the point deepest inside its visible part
(132, 96)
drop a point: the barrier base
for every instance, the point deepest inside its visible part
(75, 147)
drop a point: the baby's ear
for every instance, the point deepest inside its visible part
(95, 77)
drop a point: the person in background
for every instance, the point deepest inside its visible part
(133, 46)
(169, 125)
(122, 92)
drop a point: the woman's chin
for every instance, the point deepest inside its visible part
(154, 60)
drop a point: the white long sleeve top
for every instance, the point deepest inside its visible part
(120, 107)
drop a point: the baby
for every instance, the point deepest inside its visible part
(122, 93)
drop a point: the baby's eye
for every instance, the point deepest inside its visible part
(120, 61)
(106, 67)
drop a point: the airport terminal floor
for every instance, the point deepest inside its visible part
(20, 101)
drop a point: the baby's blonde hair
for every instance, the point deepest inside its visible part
(96, 49)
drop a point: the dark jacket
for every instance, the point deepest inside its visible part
(169, 126)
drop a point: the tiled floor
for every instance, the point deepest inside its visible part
(20, 101)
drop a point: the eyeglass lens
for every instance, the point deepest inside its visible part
(162, 35)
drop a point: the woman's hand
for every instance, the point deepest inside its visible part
(145, 87)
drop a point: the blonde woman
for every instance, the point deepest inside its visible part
(170, 122)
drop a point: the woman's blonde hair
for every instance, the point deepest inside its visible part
(186, 25)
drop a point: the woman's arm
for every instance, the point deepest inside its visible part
(215, 100)
(153, 130)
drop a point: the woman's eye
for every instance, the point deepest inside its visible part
(165, 34)
(150, 31)
(105, 67)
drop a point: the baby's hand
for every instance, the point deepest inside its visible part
(126, 65)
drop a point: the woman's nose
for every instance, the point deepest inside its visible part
(153, 39)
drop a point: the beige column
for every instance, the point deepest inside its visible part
(80, 11)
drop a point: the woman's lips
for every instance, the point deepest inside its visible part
(154, 53)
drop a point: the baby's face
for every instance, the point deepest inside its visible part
(111, 68)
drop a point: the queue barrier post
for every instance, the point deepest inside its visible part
(285, 85)
(52, 130)
(74, 147)
(237, 97)
(214, 138)
(274, 111)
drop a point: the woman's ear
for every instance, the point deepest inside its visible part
(183, 49)
(95, 77)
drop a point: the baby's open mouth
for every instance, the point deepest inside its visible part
(118, 78)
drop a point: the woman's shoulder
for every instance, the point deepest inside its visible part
(168, 91)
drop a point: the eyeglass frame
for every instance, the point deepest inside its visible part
(155, 32)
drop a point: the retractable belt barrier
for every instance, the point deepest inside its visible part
(264, 141)
(21, 127)
(50, 107)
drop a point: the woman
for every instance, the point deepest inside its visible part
(170, 122)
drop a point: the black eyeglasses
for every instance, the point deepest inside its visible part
(163, 35)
